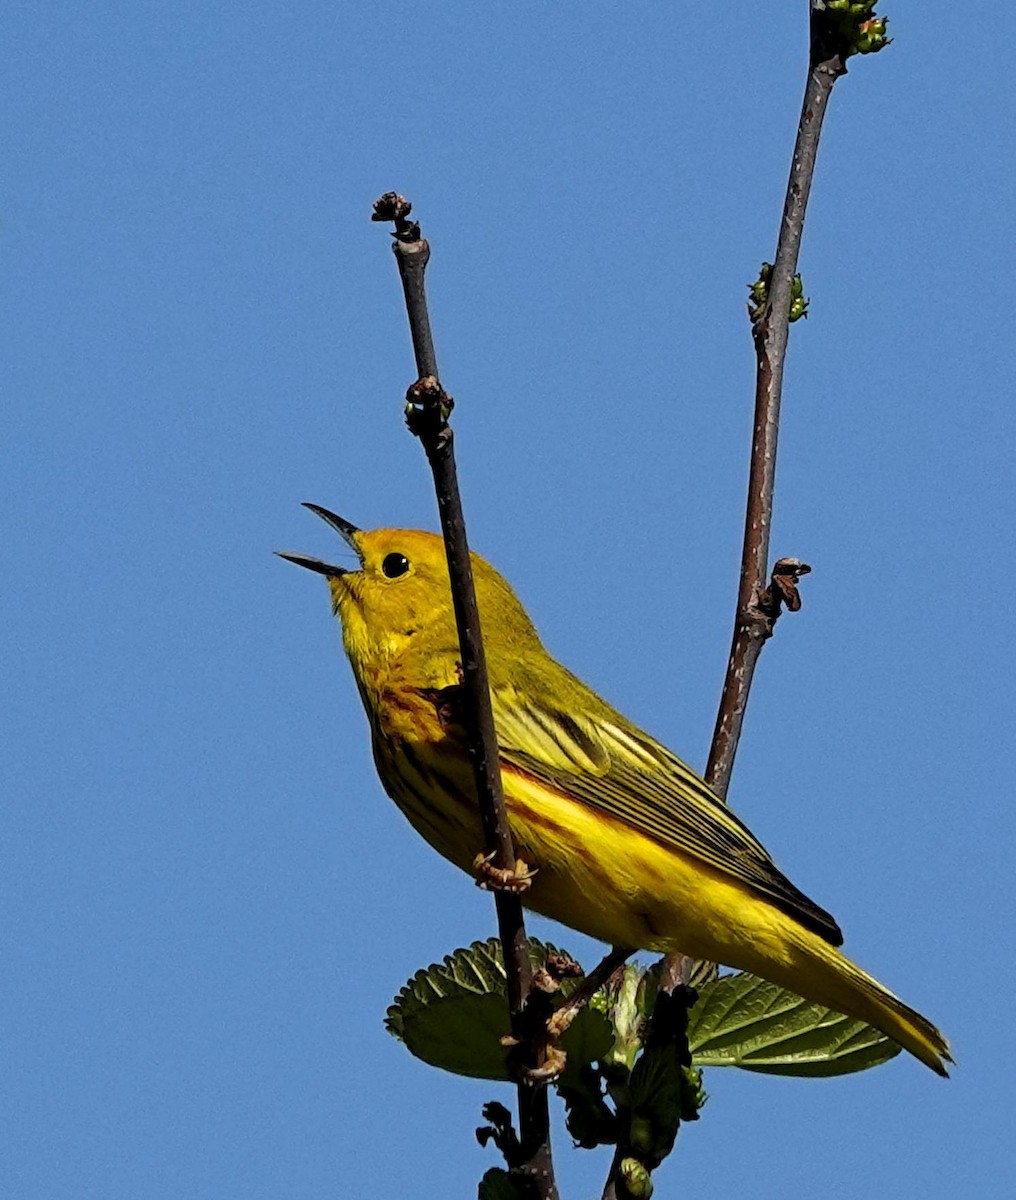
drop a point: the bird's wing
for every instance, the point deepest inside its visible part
(593, 755)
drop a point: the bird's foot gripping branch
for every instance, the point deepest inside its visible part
(518, 878)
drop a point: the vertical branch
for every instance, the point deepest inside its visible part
(758, 605)
(837, 30)
(428, 409)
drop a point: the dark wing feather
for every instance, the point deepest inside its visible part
(591, 753)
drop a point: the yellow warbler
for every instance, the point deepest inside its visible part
(628, 844)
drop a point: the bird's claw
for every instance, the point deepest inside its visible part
(560, 1021)
(550, 1068)
(515, 879)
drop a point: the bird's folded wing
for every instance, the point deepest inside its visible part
(595, 756)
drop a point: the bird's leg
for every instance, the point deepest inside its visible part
(539, 1057)
(535, 1057)
(502, 879)
(588, 988)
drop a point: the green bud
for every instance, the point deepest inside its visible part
(626, 1009)
(871, 35)
(692, 1094)
(758, 292)
(857, 31)
(758, 295)
(636, 1180)
(798, 303)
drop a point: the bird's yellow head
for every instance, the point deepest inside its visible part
(398, 599)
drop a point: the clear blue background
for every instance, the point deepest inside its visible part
(207, 900)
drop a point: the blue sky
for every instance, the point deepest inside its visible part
(208, 901)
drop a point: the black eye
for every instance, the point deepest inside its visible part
(395, 565)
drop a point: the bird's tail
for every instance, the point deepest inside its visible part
(841, 985)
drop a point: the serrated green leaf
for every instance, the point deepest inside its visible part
(454, 1014)
(460, 1033)
(743, 1021)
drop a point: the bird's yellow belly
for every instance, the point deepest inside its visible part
(600, 876)
(606, 879)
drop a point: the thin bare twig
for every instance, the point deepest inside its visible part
(428, 408)
(758, 606)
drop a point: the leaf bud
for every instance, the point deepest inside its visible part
(637, 1182)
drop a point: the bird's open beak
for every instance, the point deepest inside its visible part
(343, 528)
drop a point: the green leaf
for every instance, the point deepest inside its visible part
(454, 1014)
(743, 1021)
(588, 1118)
(626, 1000)
(663, 1089)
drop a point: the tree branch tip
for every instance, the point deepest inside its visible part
(393, 207)
(847, 27)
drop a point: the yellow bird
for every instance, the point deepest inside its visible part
(627, 844)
